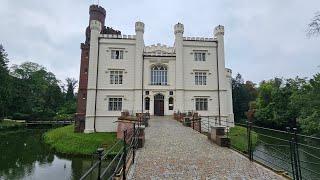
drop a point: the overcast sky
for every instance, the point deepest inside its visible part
(263, 39)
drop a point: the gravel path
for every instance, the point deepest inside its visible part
(173, 151)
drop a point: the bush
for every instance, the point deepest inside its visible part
(64, 117)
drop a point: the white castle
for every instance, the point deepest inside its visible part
(124, 74)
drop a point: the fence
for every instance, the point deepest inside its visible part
(124, 153)
(288, 153)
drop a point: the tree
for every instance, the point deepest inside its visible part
(71, 84)
(242, 94)
(4, 79)
(44, 96)
(314, 26)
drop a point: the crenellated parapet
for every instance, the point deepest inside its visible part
(117, 36)
(199, 39)
(219, 30)
(159, 50)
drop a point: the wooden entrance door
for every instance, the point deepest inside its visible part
(159, 105)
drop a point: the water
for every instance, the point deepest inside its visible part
(276, 153)
(23, 155)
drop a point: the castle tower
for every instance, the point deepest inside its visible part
(96, 13)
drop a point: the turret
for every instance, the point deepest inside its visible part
(97, 13)
(178, 32)
(139, 28)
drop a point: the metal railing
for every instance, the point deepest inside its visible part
(124, 152)
(294, 155)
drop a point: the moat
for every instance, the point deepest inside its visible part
(23, 155)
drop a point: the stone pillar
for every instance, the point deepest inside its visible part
(179, 81)
(95, 27)
(229, 97)
(138, 69)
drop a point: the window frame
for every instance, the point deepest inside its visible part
(200, 56)
(116, 77)
(116, 56)
(200, 78)
(201, 104)
(115, 103)
(159, 75)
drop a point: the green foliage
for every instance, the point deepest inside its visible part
(29, 91)
(239, 139)
(281, 103)
(242, 94)
(63, 117)
(65, 140)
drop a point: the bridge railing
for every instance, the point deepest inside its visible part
(124, 151)
(293, 155)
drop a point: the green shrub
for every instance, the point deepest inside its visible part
(64, 117)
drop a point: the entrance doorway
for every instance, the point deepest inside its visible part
(159, 105)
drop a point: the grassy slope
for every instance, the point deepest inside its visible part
(64, 140)
(238, 136)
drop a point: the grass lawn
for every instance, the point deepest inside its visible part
(64, 140)
(8, 124)
(239, 141)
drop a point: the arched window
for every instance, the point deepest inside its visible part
(147, 103)
(170, 103)
(159, 75)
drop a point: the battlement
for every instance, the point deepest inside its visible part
(159, 50)
(118, 36)
(219, 30)
(199, 39)
(178, 28)
(139, 26)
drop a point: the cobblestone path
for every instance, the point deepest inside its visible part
(173, 151)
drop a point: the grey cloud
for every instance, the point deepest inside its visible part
(263, 38)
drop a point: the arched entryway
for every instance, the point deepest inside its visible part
(158, 105)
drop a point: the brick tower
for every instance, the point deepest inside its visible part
(98, 13)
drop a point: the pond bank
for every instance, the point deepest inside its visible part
(65, 140)
(7, 124)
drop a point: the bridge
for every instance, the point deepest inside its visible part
(175, 150)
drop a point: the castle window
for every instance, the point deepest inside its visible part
(201, 104)
(200, 56)
(171, 103)
(159, 75)
(147, 92)
(115, 104)
(116, 77)
(200, 78)
(171, 93)
(116, 54)
(147, 103)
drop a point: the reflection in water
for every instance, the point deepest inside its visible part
(23, 155)
(276, 153)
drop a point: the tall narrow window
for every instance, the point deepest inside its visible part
(170, 103)
(116, 77)
(159, 75)
(147, 103)
(115, 104)
(201, 104)
(200, 78)
(116, 54)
